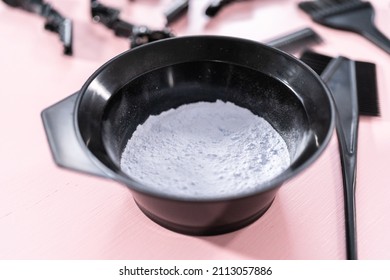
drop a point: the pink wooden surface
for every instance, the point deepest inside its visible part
(50, 213)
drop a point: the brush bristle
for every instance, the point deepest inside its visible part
(366, 84)
(318, 62)
(367, 89)
(323, 8)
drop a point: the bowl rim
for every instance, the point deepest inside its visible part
(270, 185)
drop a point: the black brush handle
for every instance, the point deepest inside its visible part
(340, 77)
(296, 41)
(348, 163)
(359, 20)
(377, 37)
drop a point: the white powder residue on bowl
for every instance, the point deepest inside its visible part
(205, 150)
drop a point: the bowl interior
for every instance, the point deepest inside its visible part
(157, 77)
(169, 87)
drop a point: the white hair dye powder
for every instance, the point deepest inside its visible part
(205, 149)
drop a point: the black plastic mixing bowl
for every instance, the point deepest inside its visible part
(89, 130)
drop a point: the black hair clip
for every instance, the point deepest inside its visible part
(216, 6)
(176, 10)
(137, 34)
(55, 22)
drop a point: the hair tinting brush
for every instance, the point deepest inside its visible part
(296, 41)
(350, 15)
(353, 88)
(365, 80)
(340, 77)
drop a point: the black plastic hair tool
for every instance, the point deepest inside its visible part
(353, 87)
(176, 10)
(55, 22)
(339, 76)
(137, 34)
(365, 79)
(350, 15)
(296, 41)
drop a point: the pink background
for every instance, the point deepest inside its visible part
(51, 213)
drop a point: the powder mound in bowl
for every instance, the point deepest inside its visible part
(205, 149)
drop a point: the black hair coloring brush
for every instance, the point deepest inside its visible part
(340, 78)
(365, 80)
(351, 15)
(353, 88)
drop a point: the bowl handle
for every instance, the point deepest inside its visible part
(61, 134)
